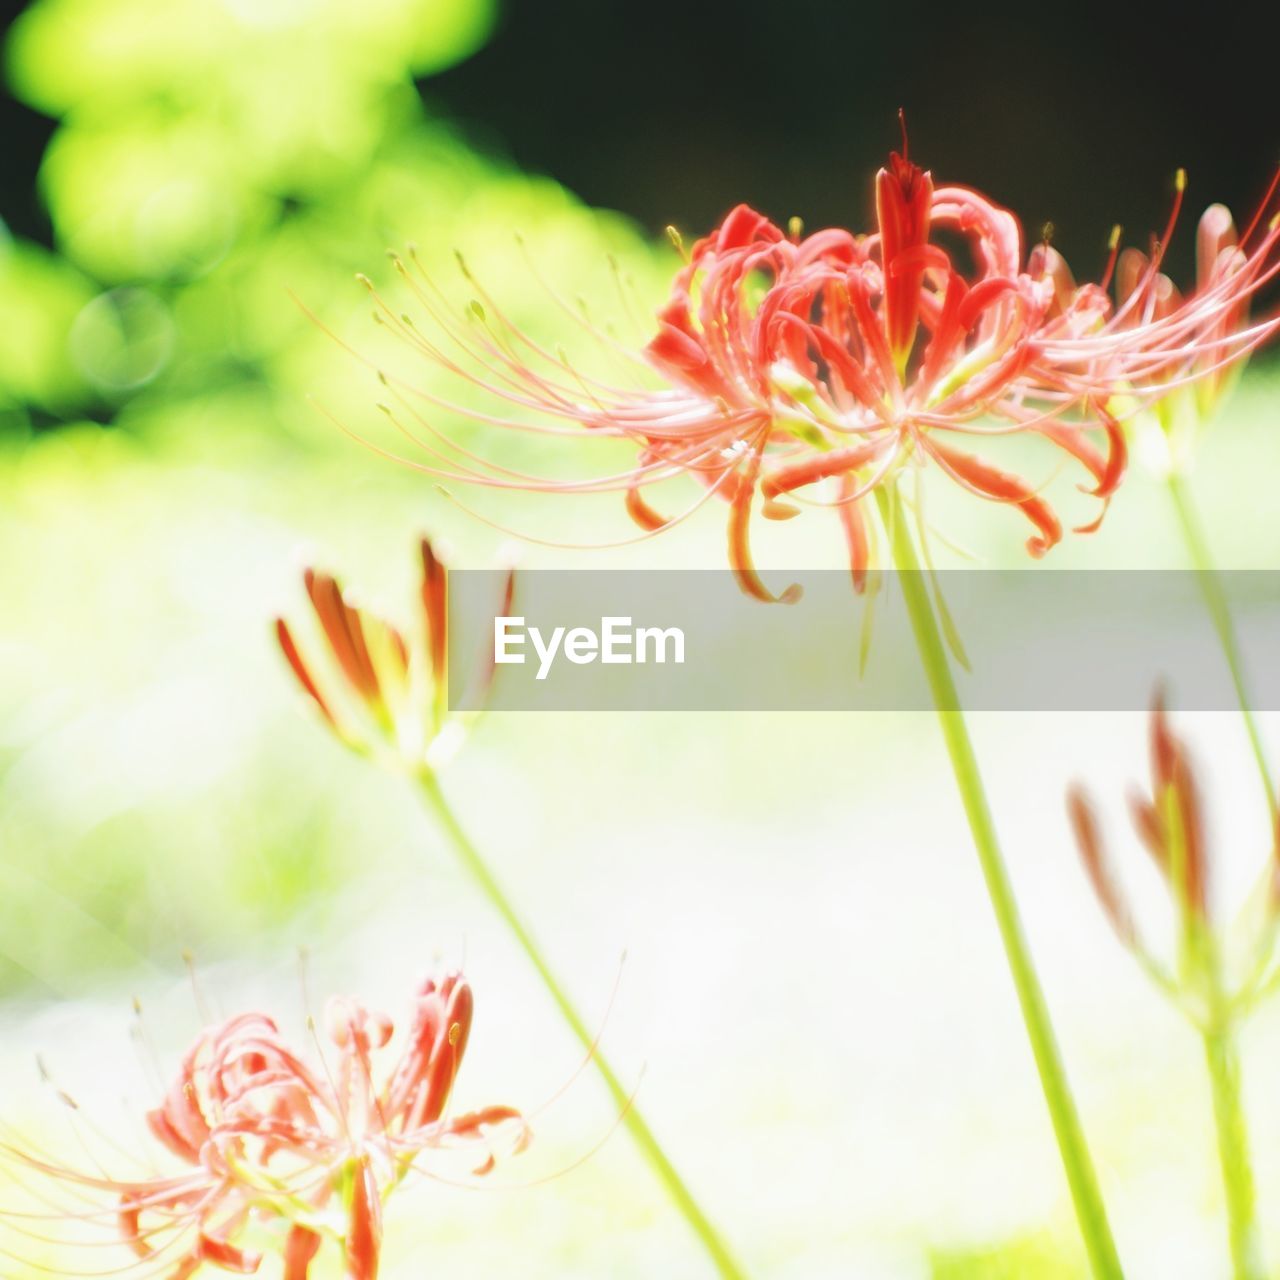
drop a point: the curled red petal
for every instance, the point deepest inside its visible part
(740, 539)
(818, 466)
(1002, 486)
(641, 512)
(741, 226)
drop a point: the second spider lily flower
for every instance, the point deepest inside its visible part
(265, 1139)
(1155, 348)
(785, 364)
(383, 691)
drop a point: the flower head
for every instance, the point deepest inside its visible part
(380, 692)
(783, 365)
(1169, 821)
(1155, 347)
(786, 365)
(264, 1139)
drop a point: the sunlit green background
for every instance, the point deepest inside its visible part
(812, 1000)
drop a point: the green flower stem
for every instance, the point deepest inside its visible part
(1223, 623)
(1223, 1061)
(645, 1139)
(1081, 1178)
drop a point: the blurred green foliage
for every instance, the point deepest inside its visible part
(212, 157)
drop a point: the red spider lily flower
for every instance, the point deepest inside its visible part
(265, 1140)
(378, 691)
(1155, 347)
(1169, 822)
(785, 363)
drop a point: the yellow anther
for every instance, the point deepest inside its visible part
(796, 227)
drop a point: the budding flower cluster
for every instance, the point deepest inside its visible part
(383, 693)
(1169, 821)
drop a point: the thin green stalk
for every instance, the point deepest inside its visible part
(645, 1139)
(1220, 612)
(1223, 1062)
(1081, 1178)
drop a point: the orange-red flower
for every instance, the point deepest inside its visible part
(380, 692)
(785, 363)
(263, 1137)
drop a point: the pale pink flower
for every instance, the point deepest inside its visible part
(262, 1136)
